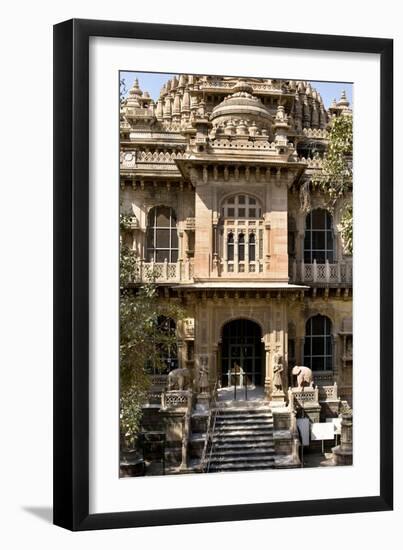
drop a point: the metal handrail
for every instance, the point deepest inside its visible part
(243, 377)
(210, 430)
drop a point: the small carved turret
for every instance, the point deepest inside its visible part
(185, 107)
(281, 127)
(167, 107)
(159, 110)
(176, 111)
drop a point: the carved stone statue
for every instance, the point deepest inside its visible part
(178, 379)
(204, 385)
(304, 376)
(277, 370)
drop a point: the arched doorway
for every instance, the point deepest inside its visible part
(242, 347)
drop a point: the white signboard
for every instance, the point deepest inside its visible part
(336, 423)
(303, 428)
(322, 430)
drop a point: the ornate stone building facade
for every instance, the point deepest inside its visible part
(213, 187)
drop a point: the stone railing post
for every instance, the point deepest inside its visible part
(165, 269)
(338, 272)
(187, 269)
(302, 271)
(314, 271)
(290, 399)
(350, 273)
(327, 270)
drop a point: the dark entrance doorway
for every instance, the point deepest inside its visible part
(241, 353)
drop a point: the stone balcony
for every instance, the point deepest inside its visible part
(165, 272)
(337, 274)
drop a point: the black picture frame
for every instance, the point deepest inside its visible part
(71, 274)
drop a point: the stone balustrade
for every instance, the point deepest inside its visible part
(305, 395)
(328, 393)
(161, 272)
(327, 273)
(176, 399)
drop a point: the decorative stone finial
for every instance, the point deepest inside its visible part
(242, 86)
(136, 88)
(343, 101)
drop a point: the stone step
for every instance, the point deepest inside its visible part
(243, 430)
(268, 443)
(228, 466)
(242, 440)
(243, 412)
(217, 453)
(259, 423)
(241, 459)
(244, 417)
(246, 423)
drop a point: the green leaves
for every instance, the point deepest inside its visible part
(346, 229)
(336, 176)
(142, 337)
(335, 180)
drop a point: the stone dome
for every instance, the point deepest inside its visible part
(241, 104)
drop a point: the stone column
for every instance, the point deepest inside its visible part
(236, 260)
(268, 245)
(343, 453)
(215, 250)
(278, 231)
(203, 236)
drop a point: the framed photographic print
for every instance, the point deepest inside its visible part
(223, 226)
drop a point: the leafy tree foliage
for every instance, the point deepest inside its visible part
(143, 340)
(335, 179)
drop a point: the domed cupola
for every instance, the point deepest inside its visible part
(241, 104)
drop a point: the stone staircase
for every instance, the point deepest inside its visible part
(242, 440)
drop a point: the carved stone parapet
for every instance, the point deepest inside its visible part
(176, 399)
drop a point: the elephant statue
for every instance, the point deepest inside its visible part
(304, 376)
(178, 378)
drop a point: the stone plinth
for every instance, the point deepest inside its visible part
(203, 399)
(343, 453)
(277, 399)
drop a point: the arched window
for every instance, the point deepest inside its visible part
(241, 206)
(318, 243)
(318, 352)
(241, 235)
(162, 235)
